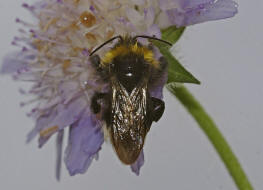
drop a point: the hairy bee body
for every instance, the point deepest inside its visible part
(130, 69)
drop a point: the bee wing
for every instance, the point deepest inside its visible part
(129, 123)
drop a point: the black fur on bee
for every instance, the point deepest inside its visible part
(130, 68)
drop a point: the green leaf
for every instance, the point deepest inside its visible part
(176, 72)
(172, 34)
(214, 135)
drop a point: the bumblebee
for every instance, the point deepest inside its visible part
(128, 108)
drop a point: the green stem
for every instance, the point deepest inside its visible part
(214, 135)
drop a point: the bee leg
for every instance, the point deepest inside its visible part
(163, 63)
(157, 109)
(159, 73)
(95, 105)
(95, 61)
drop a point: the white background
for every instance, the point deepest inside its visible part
(225, 55)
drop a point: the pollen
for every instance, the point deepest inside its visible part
(66, 65)
(109, 32)
(49, 131)
(38, 44)
(72, 26)
(91, 38)
(75, 51)
(51, 22)
(76, 1)
(87, 19)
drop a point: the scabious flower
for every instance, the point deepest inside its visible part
(55, 52)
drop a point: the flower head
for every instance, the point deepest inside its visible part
(55, 57)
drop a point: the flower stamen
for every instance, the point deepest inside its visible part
(66, 65)
(51, 22)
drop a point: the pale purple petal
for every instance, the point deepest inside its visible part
(43, 140)
(41, 122)
(68, 114)
(181, 4)
(193, 13)
(59, 142)
(85, 140)
(138, 2)
(219, 10)
(170, 4)
(193, 4)
(14, 62)
(154, 30)
(67, 90)
(138, 164)
(163, 20)
(61, 116)
(149, 16)
(134, 16)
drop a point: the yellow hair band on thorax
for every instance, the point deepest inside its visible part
(126, 49)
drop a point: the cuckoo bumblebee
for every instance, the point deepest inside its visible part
(129, 110)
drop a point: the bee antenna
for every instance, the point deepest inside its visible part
(153, 38)
(108, 41)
